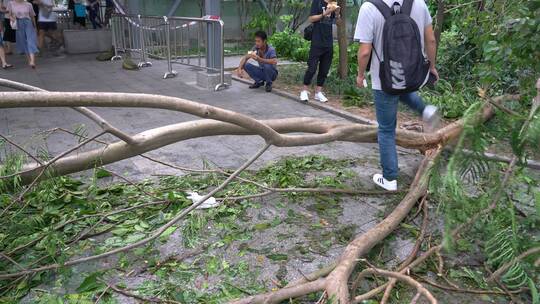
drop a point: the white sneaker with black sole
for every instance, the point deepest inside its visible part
(319, 96)
(382, 182)
(304, 96)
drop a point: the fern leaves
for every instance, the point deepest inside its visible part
(501, 249)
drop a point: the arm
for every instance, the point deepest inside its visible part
(364, 52)
(314, 13)
(266, 61)
(431, 48)
(243, 62)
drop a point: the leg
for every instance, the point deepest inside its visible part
(414, 101)
(324, 67)
(269, 73)
(2, 56)
(313, 59)
(93, 19)
(254, 72)
(41, 38)
(386, 109)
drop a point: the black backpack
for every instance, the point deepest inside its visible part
(404, 69)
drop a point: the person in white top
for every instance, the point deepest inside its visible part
(47, 19)
(370, 33)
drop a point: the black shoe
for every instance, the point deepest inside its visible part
(268, 87)
(256, 85)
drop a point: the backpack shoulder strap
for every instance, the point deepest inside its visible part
(406, 7)
(382, 7)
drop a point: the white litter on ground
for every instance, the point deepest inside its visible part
(211, 202)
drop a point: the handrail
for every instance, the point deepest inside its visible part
(157, 36)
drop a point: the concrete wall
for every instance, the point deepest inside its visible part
(87, 41)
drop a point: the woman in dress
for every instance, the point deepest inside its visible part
(23, 13)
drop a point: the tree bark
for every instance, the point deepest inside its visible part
(343, 67)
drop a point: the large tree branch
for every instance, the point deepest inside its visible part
(233, 124)
(105, 125)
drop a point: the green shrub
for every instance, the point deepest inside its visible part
(290, 45)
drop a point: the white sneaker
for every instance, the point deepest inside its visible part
(304, 96)
(319, 96)
(380, 181)
(431, 118)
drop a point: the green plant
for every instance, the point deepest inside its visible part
(290, 45)
(262, 21)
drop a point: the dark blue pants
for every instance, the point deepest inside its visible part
(264, 72)
(386, 107)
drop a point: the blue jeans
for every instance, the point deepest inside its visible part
(265, 72)
(386, 107)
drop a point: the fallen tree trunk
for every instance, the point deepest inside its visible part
(319, 131)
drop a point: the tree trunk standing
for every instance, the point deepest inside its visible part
(440, 20)
(342, 41)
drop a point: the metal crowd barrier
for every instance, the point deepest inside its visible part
(178, 40)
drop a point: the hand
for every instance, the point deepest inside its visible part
(433, 71)
(328, 11)
(360, 80)
(240, 72)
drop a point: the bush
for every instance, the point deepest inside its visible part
(291, 45)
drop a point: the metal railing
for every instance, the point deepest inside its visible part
(178, 40)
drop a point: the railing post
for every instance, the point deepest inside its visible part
(143, 63)
(222, 83)
(170, 73)
(115, 31)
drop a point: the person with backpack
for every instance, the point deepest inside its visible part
(324, 13)
(398, 37)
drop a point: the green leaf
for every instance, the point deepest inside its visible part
(534, 292)
(277, 257)
(102, 173)
(167, 233)
(91, 283)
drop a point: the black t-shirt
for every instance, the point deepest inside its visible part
(322, 30)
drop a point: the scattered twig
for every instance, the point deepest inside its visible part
(22, 149)
(146, 240)
(413, 253)
(136, 296)
(12, 261)
(509, 264)
(404, 278)
(102, 294)
(503, 287)
(43, 169)
(464, 290)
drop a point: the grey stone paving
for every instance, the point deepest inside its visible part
(83, 73)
